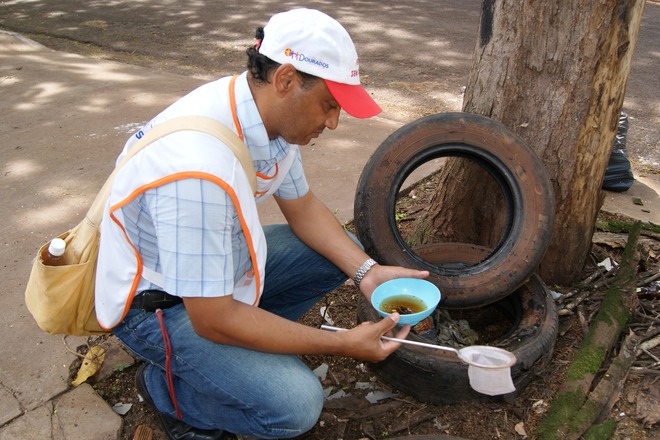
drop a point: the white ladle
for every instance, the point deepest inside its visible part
(489, 368)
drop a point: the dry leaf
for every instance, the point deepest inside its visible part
(540, 406)
(648, 404)
(520, 429)
(90, 365)
(609, 239)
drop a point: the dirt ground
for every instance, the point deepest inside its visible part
(351, 416)
(406, 90)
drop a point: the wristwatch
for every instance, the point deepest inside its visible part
(362, 271)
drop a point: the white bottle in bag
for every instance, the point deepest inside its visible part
(54, 255)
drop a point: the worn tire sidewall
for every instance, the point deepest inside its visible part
(438, 377)
(518, 256)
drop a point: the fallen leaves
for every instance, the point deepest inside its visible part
(91, 364)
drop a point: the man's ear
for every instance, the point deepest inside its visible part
(285, 79)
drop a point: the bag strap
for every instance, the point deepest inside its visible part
(195, 123)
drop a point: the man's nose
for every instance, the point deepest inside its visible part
(333, 119)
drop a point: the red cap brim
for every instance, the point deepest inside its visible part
(354, 99)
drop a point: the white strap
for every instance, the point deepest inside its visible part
(196, 123)
(153, 277)
(206, 125)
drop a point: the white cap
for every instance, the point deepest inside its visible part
(57, 247)
(317, 44)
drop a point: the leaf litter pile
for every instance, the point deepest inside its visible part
(359, 405)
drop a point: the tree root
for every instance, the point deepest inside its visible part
(575, 408)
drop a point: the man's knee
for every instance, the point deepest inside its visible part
(293, 412)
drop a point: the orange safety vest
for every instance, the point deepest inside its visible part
(180, 155)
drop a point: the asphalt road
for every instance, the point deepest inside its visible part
(415, 57)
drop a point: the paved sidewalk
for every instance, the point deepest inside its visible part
(63, 119)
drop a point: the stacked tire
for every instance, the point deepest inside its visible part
(469, 276)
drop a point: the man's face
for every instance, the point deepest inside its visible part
(307, 111)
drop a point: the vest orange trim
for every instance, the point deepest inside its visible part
(232, 102)
(168, 179)
(265, 177)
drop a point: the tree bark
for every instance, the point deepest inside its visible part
(554, 73)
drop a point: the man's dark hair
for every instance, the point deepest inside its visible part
(260, 66)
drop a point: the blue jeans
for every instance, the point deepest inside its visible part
(238, 390)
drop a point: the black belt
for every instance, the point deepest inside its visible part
(152, 300)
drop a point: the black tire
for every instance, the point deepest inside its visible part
(520, 174)
(438, 377)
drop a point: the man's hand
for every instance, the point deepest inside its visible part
(378, 274)
(364, 341)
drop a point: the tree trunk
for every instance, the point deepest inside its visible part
(554, 73)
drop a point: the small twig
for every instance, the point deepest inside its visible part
(649, 318)
(639, 370)
(568, 309)
(565, 297)
(590, 278)
(649, 344)
(69, 349)
(411, 422)
(581, 318)
(600, 270)
(646, 307)
(603, 281)
(648, 280)
(649, 335)
(649, 354)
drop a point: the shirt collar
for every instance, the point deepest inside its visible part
(254, 130)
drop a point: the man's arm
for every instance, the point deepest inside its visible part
(227, 321)
(319, 229)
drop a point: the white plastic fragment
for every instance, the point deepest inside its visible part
(338, 395)
(321, 371)
(555, 295)
(122, 408)
(327, 392)
(606, 263)
(378, 395)
(364, 385)
(326, 315)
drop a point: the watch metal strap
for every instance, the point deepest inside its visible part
(362, 271)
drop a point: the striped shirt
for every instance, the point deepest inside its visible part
(188, 230)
